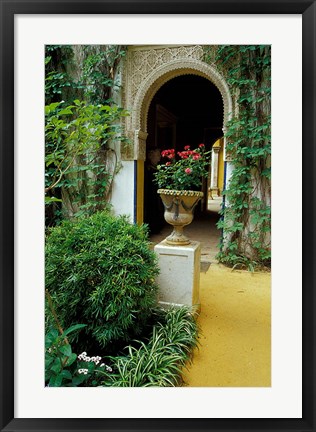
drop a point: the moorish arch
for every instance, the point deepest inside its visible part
(156, 79)
(146, 70)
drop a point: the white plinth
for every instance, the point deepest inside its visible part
(179, 278)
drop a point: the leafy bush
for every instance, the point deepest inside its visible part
(81, 120)
(59, 358)
(77, 156)
(158, 362)
(63, 368)
(100, 271)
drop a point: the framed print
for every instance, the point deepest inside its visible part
(287, 402)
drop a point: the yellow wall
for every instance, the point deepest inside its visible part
(140, 192)
(221, 167)
(220, 143)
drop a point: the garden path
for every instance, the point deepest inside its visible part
(235, 336)
(235, 317)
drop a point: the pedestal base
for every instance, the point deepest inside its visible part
(179, 278)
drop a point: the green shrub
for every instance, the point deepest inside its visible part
(159, 361)
(60, 361)
(101, 272)
(64, 368)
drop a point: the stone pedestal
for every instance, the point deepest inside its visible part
(179, 278)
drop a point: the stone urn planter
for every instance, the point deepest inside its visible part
(179, 212)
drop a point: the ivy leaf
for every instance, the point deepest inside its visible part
(72, 358)
(66, 350)
(56, 381)
(66, 374)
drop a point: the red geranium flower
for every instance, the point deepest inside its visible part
(169, 153)
(183, 155)
(184, 170)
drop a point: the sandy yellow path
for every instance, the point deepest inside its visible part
(235, 340)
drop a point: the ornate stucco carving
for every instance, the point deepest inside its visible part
(148, 68)
(141, 61)
(140, 145)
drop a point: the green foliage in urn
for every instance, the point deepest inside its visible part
(100, 271)
(183, 171)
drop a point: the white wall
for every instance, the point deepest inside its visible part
(229, 171)
(122, 197)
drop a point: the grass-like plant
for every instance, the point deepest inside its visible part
(101, 272)
(160, 361)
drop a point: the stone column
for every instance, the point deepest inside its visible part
(140, 138)
(214, 170)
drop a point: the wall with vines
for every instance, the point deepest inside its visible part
(246, 221)
(81, 121)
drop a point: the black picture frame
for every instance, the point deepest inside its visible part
(8, 11)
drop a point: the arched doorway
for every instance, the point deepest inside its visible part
(139, 98)
(186, 110)
(147, 69)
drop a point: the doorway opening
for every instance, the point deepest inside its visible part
(186, 110)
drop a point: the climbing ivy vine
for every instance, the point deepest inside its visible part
(81, 119)
(98, 71)
(246, 216)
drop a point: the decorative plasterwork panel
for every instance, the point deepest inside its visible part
(148, 68)
(142, 61)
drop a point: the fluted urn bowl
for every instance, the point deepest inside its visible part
(179, 211)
